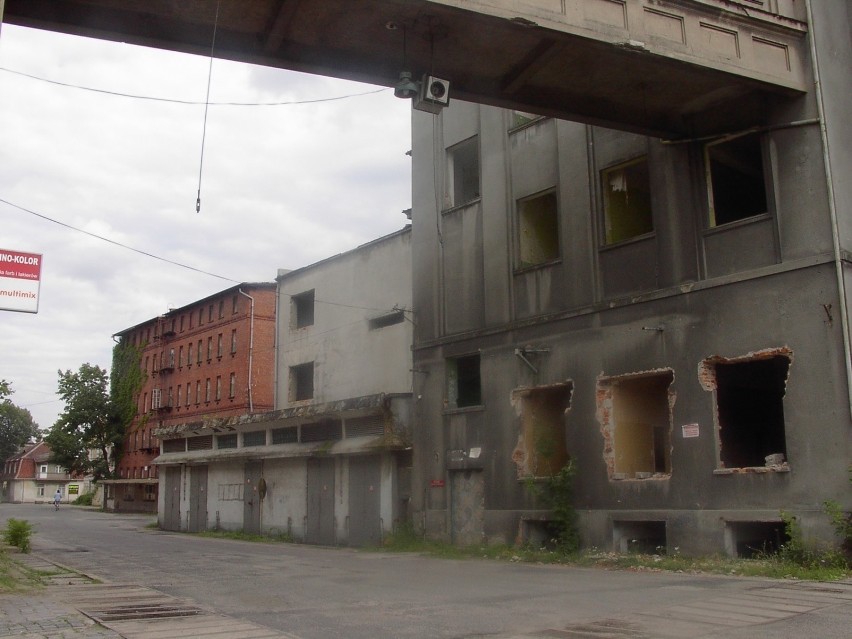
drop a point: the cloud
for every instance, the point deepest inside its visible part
(281, 187)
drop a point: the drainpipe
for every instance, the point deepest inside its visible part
(251, 350)
(832, 209)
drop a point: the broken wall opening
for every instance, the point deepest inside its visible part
(635, 413)
(752, 539)
(646, 537)
(538, 230)
(750, 407)
(541, 449)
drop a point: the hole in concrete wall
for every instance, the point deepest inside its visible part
(636, 421)
(647, 537)
(750, 539)
(737, 186)
(541, 450)
(538, 229)
(750, 408)
(627, 201)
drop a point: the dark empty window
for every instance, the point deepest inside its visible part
(463, 169)
(627, 201)
(302, 314)
(749, 400)
(302, 382)
(538, 229)
(464, 387)
(737, 186)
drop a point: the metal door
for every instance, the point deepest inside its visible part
(252, 497)
(320, 524)
(171, 498)
(467, 509)
(197, 498)
(365, 524)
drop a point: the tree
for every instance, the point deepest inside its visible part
(96, 419)
(16, 424)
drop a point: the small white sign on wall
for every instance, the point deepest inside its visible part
(690, 430)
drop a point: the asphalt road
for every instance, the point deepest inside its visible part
(323, 593)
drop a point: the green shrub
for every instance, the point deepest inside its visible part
(18, 533)
(557, 493)
(84, 500)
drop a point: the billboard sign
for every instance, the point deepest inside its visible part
(20, 279)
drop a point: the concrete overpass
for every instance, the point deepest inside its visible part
(665, 67)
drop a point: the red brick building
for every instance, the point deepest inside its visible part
(209, 359)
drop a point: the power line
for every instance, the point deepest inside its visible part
(119, 244)
(179, 264)
(189, 102)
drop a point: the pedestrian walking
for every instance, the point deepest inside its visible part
(57, 497)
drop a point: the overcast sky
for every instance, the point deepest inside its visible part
(281, 187)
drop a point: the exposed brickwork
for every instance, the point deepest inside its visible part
(222, 325)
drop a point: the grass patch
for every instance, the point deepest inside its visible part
(14, 578)
(823, 568)
(239, 535)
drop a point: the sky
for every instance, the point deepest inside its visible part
(282, 186)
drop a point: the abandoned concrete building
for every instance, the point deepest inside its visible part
(331, 464)
(211, 358)
(669, 314)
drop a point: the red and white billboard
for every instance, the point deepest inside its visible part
(20, 279)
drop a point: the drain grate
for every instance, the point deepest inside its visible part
(140, 612)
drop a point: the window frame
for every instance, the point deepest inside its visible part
(606, 238)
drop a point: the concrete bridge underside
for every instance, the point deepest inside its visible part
(675, 68)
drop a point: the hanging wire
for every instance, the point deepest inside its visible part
(206, 107)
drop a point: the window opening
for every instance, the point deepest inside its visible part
(463, 172)
(737, 187)
(750, 410)
(302, 382)
(285, 435)
(254, 438)
(464, 384)
(538, 229)
(226, 441)
(204, 442)
(326, 430)
(636, 421)
(541, 450)
(520, 118)
(302, 310)
(627, 201)
(753, 539)
(174, 445)
(646, 537)
(389, 319)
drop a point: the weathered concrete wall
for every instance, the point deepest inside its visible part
(350, 359)
(664, 301)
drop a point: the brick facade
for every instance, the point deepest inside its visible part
(210, 359)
